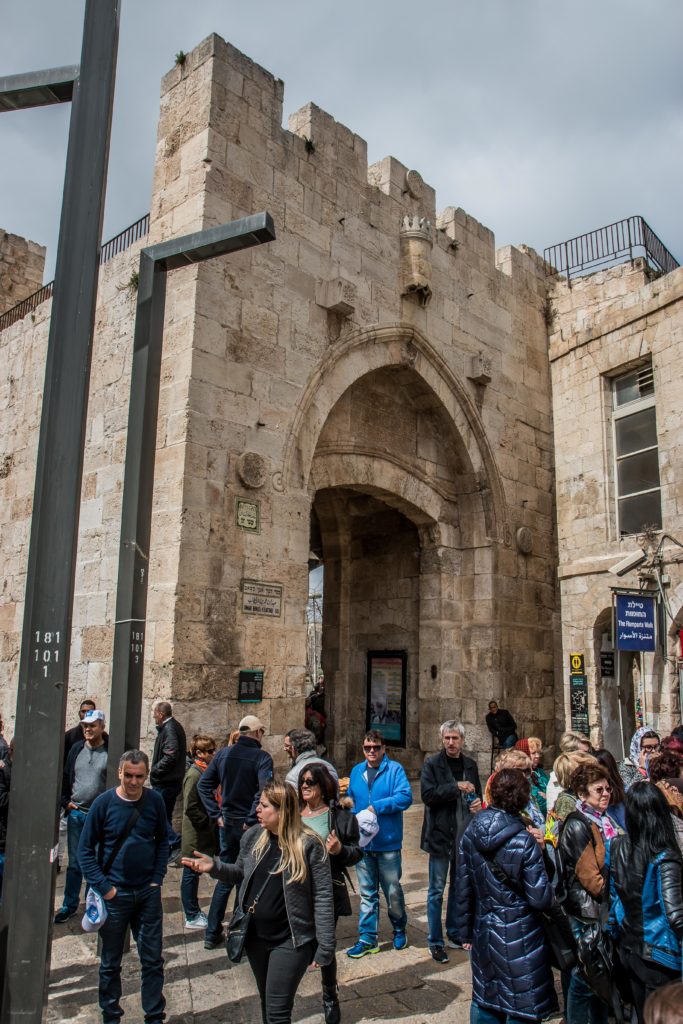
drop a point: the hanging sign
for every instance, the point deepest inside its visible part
(635, 620)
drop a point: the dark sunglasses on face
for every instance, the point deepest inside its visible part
(308, 783)
(372, 746)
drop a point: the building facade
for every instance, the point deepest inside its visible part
(371, 391)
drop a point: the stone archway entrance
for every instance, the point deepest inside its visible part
(398, 522)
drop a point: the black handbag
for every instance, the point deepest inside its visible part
(238, 926)
(554, 922)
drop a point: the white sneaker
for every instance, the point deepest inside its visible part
(200, 921)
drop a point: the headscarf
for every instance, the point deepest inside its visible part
(523, 745)
(634, 749)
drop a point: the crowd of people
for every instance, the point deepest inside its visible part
(577, 869)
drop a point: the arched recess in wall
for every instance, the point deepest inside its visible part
(401, 345)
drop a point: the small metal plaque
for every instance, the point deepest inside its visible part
(262, 598)
(248, 515)
(250, 686)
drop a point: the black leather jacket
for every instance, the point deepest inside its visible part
(309, 903)
(170, 752)
(628, 868)
(343, 822)
(582, 856)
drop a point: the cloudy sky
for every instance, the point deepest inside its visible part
(542, 119)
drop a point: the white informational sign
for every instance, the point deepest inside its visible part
(262, 598)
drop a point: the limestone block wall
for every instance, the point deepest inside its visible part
(21, 269)
(264, 326)
(259, 348)
(605, 324)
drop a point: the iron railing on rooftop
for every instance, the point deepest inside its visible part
(625, 239)
(110, 249)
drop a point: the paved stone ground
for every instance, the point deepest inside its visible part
(203, 986)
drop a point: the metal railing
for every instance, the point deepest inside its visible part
(625, 239)
(110, 249)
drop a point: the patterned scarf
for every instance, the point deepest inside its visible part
(607, 826)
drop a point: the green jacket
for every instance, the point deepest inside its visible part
(198, 831)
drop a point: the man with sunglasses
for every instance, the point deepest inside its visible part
(85, 777)
(380, 786)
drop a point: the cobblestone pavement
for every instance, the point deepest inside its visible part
(203, 986)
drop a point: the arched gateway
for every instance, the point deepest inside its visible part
(407, 512)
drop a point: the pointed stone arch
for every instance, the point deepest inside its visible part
(399, 345)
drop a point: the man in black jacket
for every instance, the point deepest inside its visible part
(241, 771)
(501, 725)
(168, 765)
(451, 792)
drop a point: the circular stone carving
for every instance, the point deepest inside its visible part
(525, 540)
(415, 184)
(251, 469)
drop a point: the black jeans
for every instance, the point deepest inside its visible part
(141, 909)
(230, 837)
(278, 971)
(169, 794)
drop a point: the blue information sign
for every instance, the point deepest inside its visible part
(635, 616)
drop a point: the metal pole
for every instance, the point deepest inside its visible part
(26, 919)
(138, 486)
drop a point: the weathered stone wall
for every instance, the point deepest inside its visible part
(259, 351)
(21, 269)
(605, 324)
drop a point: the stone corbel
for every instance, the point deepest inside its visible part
(336, 296)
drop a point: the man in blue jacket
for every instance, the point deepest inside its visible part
(380, 786)
(123, 853)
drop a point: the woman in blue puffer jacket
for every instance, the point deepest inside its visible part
(512, 979)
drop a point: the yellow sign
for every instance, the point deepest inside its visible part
(577, 664)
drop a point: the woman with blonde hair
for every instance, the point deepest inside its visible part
(516, 758)
(291, 925)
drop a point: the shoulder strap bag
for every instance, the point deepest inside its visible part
(239, 925)
(96, 913)
(554, 922)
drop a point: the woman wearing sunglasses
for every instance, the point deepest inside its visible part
(583, 853)
(337, 827)
(285, 884)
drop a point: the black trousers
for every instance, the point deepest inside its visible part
(278, 971)
(645, 977)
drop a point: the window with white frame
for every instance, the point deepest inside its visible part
(636, 453)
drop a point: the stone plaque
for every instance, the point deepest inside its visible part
(248, 515)
(262, 598)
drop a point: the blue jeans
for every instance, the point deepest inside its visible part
(441, 870)
(230, 836)
(169, 794)
(375, 870)
(509, 741)
(583, 1006)
(483, 1015)
(72, 885)
(189, 891)
(141, 909)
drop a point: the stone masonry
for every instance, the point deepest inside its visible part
(602, 326)
(375, 385)
(21, 269)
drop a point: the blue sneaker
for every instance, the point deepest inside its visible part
(400, 940)
(361, 949)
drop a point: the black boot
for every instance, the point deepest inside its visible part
(331, 1004)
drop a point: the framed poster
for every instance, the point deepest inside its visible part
(386, 687)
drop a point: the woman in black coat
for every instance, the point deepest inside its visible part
(337, 827)
(512, 977)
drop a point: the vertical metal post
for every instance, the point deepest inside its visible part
(138, 484)
(136, 514)
(28, 890)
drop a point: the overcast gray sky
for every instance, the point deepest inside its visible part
(542, 119)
